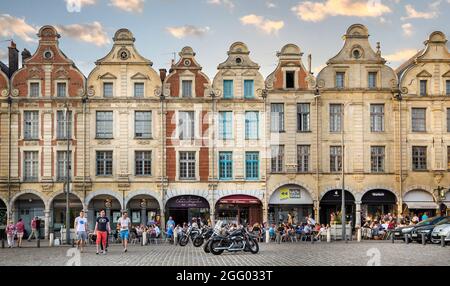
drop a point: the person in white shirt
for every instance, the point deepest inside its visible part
(81, 228)
(125, 224)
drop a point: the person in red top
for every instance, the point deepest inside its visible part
(10, 233)
(34, 230)
(20, 228)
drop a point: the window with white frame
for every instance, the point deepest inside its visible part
(104, 124)
(186, 125)
(419, 158)
(61, 165)
(225, 165)
(249, 88)
(447, 87)
(104, 163)
(228, 88)
(277, 117)
(251, 165)
(143, 124)
(61, 89)
(303, 155)
(30, 165)
(186, 88)
(423, 87)
(340, 79)
(225, 125)
(277, 158)
(303, 117)
(143, 163)
(139, 89)
(448, 119)
(62, 126)
(448, 157)
(35, 88)
(377, 117)
(372, 80)
(108, 90)
(290, 79)
(251, 125)
(418, 119)
(31, 125)
(335, 159)
(187, 162)
(336, 117)
(377, 155)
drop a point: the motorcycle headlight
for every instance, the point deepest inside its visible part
(408, 229)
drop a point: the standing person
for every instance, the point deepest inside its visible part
(424, 216)
(81, 228)
(10, 233)
(102, 228)
(20, 229)
(124, 223)
(33, 229)
(170, 224)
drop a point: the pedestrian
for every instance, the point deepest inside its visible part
(170, 224)
(124, 223)
(424, 216)
(20, 229)
(10, 233)
(33, 229)
(81, 228)
(102, 228)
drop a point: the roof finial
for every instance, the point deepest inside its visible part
(378, 48)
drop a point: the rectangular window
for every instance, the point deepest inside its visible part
(448, 119)
(61, 158)
(251, 125)
(104, 163)
(335, 159)
(186, 88)
(277, 117)
(225, 125)
(372, 80)
(104, 124)
(61, 89)
(31, 125)
(303, 153)
(143, 163)
(340, 77)
(34, 89)
(61, 124)
(377, 159)
(139, 89)
(108, 89)
(335, 117)
(419, 158)
(249, 89)
(377, 117)
(290, 79)
(448, 157)
(303, 115)
(143, 124)
(186, 125)
(447, 87)
(187, 165)
(277, 159)
(423, 87)
(225, 165)
(418, 119)
(30, 165)
(252, 165)
(228, 87)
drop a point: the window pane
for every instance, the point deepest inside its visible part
(448, 119)
(377, 117)
(143, 163)
(277, 117)
(372, 81)
(447, 87)
(303, 153)
(143, 124)
(418, 119)
(186, 125)
(277, 158)
(34, 89)
(62, 165)
(139, 89)
(104, 163)
(61, 126)
(61, 89)
(30, 165)
(340, 76)
(248, 88)
(335, 158)
(225, 165)
(225, 125)
(303, 115)
(423, 87)
(335, 117)
(419, 158)
(31, 125)
(252, 165)
(377, 159)
(187, 165)
(104, 124)
(107, 89)
(187, 88)
(228, 89)
(251, 125)
(290, 79)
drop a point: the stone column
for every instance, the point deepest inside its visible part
(358, 214)
(163, 219)
(265, 211)
(108, 214)
(316, 211)
(144, 215)
(46, 223)
(212, 213)
(91, 218)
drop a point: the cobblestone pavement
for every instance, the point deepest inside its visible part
(291, 254)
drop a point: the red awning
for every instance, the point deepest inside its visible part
(240, 200)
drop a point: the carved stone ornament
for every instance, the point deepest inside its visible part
(4, 92)
(124, 54)
(15, 92)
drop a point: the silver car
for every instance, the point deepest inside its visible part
(439, 231)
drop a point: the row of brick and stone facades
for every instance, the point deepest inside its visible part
(237, 146)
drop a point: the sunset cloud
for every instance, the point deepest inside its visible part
(134, 6)
(93, 33)
(412, 13)
(407, 29)
(226, 3)
(187, 30)
(400, 56)
(17, 27)
(265, 25)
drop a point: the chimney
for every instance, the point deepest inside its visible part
(309, 63)
(162, 74)
(25, 55)
(13, 56)
(172, 64)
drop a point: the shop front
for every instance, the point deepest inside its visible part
(144, 209)
(28, 206)
(376, 203)
(183, 209)
(239, 209)
(3, 214)
(331, 205)
(109, 204)
(290, 204)
(58, 208)
(445, 209)
(419, 202)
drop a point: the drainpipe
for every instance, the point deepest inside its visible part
(9, 154)
(84, 101)
(163, 154)
(214, 181)
(317, 96)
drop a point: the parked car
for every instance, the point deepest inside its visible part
(400, 232)
(426, 227)
(441, 230)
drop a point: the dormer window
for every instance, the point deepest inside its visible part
(447, 87)
(61, 88)
(372, 80)
(290, 79)
(186, 88)
(107, 89)
(249, 89)
(423, 87)
(34, 89)
(340, 77)
(139, 89)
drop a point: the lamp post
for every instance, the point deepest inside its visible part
(440, 196)
(214, 93)
(66, 112)
(343, 210)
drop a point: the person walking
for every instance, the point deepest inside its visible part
(81, 228)
(125, 224)
(33, 229)
(10, 233)
(20, 229)
(102, 228)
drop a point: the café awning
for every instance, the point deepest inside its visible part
(422, 205)
(240, 200)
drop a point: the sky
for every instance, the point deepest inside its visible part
(163, 27)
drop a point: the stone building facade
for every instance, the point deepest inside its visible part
(238, 147)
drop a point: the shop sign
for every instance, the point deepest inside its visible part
(286, 194)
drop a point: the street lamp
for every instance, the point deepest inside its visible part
(214, 94)
(66, 112)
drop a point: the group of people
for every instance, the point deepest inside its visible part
(17, 230)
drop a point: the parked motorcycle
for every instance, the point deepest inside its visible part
(234, 241)
(205, 234)
(190, 233)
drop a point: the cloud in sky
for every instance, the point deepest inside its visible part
(407, 29)
(401, 55)
(412, 13)
(181, 32)
(313, 11)
(93, 33)
(134, 6)
(17, 27)
(227, 3)
(265, 25)
(76, 5)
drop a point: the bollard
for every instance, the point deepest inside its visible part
(38, 242)
(358, 235)
(51, 239)
(144, 238)
(328, 235)
(392, 238)
(424, 240)
(407, 238)
(443, 241)
(267, 236)
(175, 238)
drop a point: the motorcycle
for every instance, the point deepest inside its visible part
(234, 241)
(205, 234)
(190, 233)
